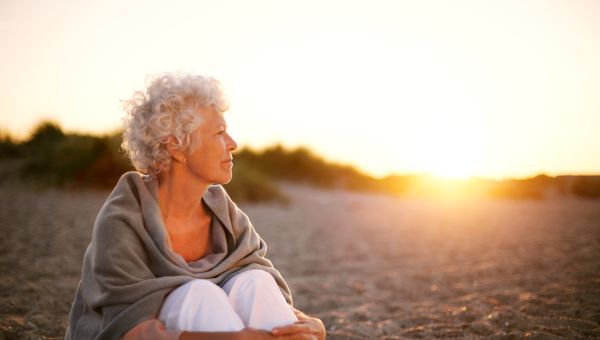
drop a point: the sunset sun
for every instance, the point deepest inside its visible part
(451, 152)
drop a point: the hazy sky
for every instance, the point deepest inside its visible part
(486, 88)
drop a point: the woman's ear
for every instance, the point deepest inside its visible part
(174, 150)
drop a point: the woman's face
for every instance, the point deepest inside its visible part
(211, 160)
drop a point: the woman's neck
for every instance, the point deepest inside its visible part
(180, 194)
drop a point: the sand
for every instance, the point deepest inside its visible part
(370, 266)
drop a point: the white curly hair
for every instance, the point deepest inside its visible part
(168, 108)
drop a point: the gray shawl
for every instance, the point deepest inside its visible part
(128, 268)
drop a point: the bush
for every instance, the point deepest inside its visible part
(586, 186)
(44, 137)
(52, 157)
(109, 164)
(9, 148)
(301, 165)
(249, 184)
(58, 161)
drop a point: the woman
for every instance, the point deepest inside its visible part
(171, 256)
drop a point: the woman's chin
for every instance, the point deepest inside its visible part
(226, 179)
(225, 182)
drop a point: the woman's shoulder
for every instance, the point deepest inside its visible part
(218, 200)
(217, 191)
(218, 196)
(126, 190)
(133, 178)
(126, 199)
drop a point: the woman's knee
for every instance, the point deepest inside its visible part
(258, 301)
(256, 277)
(251, 279)
(202, 289)
(189, 294)
(199, 305)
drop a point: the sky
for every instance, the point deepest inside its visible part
(491, 89)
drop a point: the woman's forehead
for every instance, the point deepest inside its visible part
(212, 117)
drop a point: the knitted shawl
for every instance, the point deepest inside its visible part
(128, 268)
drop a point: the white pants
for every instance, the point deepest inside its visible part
(249, 299)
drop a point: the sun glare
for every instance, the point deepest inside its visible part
(452, 149)
(450, 162)
(453, 173)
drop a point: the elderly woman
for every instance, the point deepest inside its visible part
(172, 256)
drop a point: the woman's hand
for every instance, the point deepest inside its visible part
(305, 325)
(258, 334)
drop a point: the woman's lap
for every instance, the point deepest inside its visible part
(249, 299)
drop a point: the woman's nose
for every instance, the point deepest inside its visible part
(232, 144)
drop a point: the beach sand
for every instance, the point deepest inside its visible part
(370, 266)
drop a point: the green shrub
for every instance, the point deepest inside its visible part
(301, 165)
(44, 137)
(59, 160)
(249, 184)
(9, 148)
(72, 160)
(106, 168)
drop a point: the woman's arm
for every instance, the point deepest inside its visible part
(151, 329)
(154, 329)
